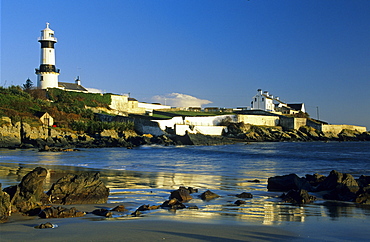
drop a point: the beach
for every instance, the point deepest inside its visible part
(147, 175)
(152, 228)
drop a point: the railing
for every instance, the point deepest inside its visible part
(49, 39)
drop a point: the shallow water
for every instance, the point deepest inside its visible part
(148, 174)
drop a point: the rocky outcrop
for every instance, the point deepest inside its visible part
(86, 188)
(244, 195)
(247, 132)
(182, 195)
(287, 182)
(298, 197)
(4, 206)
(335, 186)
(29, 194)
(208, 195)
(60, 212)
(10, 135)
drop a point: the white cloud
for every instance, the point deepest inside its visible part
(180, 100)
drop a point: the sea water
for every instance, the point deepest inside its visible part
(147, 175)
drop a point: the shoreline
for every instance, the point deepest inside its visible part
(141, 229)
(172, 229)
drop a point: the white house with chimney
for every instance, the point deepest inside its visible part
(267, 102)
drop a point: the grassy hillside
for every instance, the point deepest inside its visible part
(67, 108)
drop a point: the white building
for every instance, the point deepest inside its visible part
(263, 101)
(266, 102)
(47, 74)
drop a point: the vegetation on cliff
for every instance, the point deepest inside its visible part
(67, 108)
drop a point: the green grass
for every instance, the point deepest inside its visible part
(67, 108)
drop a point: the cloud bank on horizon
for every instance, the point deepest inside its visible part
(180, 100)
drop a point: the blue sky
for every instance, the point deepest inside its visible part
(311, 51)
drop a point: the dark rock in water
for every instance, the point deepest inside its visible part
(102, 212)
(119, 208)
(47, 225)
(4, 206)
(363, 196)
(245, 195)
(239, 202)
(193, 207)
(315, 179)
(342, 187)
(208, 195)
(57, 149)
(255, 181)
(192, 190)
(60, 212)
(287, 182)
(29, 194)
(298, 197)
(144, 207)
(182, 195)
(173, 204)
(364, 181)
(86, 188)
(337, 180)
(137, 213)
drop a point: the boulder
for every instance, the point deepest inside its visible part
(208, 195)
(173, 204)
(182, 195)
(102, 212)
(364, 181)
(86, 188)
(287, 182)
(363, 196)
(4, 206)
(60, 212)
(298, 197)
(337, 180)
(315, 179)
(46, 225)
(245, 195)
(119, 208)
(29, 194)
(239, 202)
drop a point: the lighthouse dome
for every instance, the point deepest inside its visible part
(47, 34)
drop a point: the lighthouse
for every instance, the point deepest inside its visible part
(47, 74)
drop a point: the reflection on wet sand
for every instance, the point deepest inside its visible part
(154, 188)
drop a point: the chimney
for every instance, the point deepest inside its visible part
(266, 93)
(260, 91)
(78, 81)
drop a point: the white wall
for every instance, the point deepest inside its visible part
(119, 102)
(259, 120)
(336, 129)
(181, 129)
(151, 106)
(199, 121)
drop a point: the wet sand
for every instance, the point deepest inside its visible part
(140, 229)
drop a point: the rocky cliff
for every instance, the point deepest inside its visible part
(22, 135)
(247, 132)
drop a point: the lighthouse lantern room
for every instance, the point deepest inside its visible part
(47, 74)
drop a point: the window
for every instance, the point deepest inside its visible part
(263, 99)
(255, 99)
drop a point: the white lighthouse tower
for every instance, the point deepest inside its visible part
(47, 74)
